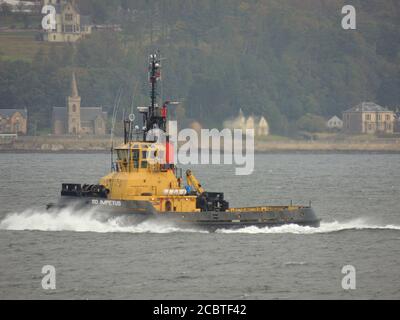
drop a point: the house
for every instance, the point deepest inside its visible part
(368, 117)
(334, 123)
(259, 125)
(397, 121)
(74, 119)
(263, 127)
(17, 6)
(13, 121)
(71, 26)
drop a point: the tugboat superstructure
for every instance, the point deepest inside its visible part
(145, 182)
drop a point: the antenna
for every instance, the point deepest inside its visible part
(113, 120)
(154, 77)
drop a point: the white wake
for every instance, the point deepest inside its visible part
(82, 221)
(325, 227)
(69, 219)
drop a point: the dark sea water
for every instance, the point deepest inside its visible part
(356, 195)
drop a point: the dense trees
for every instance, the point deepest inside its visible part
(281, 59)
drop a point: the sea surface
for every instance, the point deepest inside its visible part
(356, 195)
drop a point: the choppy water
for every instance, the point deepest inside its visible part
(356, 195)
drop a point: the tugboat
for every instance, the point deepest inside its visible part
(145, 183)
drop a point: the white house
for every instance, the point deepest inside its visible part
(259, 125)
(263, 127)
(334, 123)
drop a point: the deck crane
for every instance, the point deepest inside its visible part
(193, 182)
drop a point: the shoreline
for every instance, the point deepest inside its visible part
(256, 151)
(102, 145)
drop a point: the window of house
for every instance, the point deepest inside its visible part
(68, 17)
(73, 108)
(379, 117)
(368, 117)
(144, 164)
(387, 117)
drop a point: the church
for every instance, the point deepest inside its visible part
(75, 120)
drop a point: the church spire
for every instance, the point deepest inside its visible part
(74, 87)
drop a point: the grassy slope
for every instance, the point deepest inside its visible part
(21, 45)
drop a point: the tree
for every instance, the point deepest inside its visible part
(311, 123)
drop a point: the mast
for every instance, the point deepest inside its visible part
(152, 118)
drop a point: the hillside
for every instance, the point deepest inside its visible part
(277, 58)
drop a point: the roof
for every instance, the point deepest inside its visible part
(335, 118)
(74, 87)
(367, 107)
(68, 3)
(9, 112)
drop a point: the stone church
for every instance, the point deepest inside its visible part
(74, 119)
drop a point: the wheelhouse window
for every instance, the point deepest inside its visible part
(135, 154)
(122, 155)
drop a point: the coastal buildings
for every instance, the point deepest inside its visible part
(368, 117)
(17, 6)
(70, 24)
(13, 121)
(397, 121)
(263, 127)
(334, 123)
(74, 119)
(258, 124)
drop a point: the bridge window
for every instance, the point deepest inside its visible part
(122, 154)
(135, 154)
